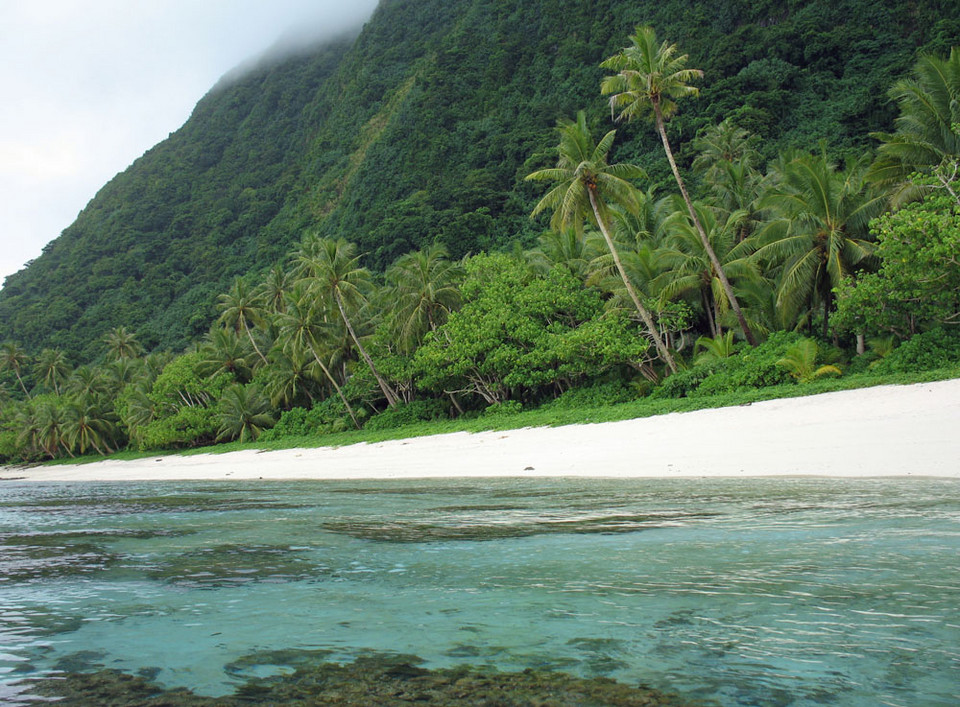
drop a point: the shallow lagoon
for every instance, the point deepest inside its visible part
(735, 592)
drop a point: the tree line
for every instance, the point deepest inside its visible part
(629, 292)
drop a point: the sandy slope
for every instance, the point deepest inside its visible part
(883, 431)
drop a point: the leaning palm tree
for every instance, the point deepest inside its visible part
(303, 328)
(688, 269)
(927, 137)
(239, 308)
(820, 230)
(422, 288)
(332, 267)
(586, 186)
(13, 358)
(650, 79)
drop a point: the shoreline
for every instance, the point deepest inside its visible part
(893, 430)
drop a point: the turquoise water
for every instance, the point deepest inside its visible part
(742, 592)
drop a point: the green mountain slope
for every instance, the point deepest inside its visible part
(420, 130)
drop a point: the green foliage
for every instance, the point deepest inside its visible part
(408, 414)
(185, 406)
(937, 348)
(801, 362)
(918, 283)
(592, 396)
(751, 368)
(518, 335)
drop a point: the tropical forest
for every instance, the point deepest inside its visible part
(477, 213)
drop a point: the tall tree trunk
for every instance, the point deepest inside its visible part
(254, 343)
(333, 382)
(727, 287)
(388, 392)
(22, 386)
(644, 312)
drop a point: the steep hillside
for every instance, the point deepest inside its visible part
(420, 130)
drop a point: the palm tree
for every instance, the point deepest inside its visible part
(272, 291)
(649, 80)
(87, 425)
(121, 344)
(50, 432)
(87, 381)
(586, 183)
(820, 231)
(422, 289)
(927, 137)
(52, 368)
(290, 377)
(333, 269)
(244, 413)
(302, 328)
(688, 268)
(238, 309)
(13, 358)
(720, 144)
(224, 351)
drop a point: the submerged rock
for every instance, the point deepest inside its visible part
(370, 681)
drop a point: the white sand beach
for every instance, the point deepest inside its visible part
(911, 430)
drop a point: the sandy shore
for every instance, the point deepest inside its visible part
(882, 431)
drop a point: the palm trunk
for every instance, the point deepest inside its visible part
(20, 380)
(388, 392)
(644, 312)
(727, 287)
(333, 382)
(254, 343)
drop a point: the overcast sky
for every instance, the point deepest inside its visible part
(87, 86)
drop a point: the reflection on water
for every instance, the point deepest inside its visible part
(738, 592)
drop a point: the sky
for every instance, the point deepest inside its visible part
(87, 86)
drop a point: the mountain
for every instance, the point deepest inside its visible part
(420, 129)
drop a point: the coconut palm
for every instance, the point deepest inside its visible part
(271, 292)
(689, 269)
(650, 79)
(50, 433)
(820, 230)
(422, 289)
(13, 358)
(332, 267)
(927, 137)
(568, 248)
(586, 187)
(121, 344)
(302, 327)
(291, 377)
(52, 369)
(723, 143)
(244, 413)
(88, 381)
(239, 308)
(223, 350)
(86, 424)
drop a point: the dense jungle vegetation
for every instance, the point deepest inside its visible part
(344, 239)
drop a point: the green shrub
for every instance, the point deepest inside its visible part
(930, 350)
(597, 395)
(408, 414)
(297, 422)
(504, 409)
